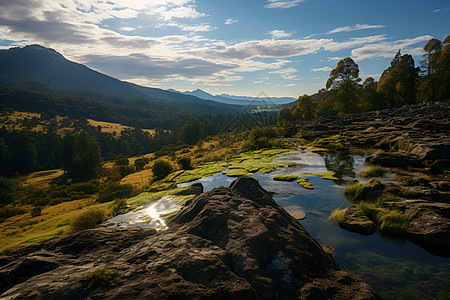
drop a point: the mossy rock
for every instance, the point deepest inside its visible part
(289, 178)
(303, 181)
(238, 172)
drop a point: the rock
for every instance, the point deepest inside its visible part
(430, 226)
(397, 159)
(227, 243)
(353, 219)
(194, 189)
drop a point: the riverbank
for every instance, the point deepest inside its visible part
(413, 142)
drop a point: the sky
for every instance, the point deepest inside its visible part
(245, 47)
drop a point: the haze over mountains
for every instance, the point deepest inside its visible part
(239, 100)
(39, 68)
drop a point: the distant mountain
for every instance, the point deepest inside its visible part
(39, 68)
(239, 100)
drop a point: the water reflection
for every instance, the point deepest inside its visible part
(150, 216)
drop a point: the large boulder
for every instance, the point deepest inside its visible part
(228, 243)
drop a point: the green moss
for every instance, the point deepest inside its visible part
(285, 178)
(238, 172)
(101, 278)
(303, 181)
(372, 171)
(329, 175)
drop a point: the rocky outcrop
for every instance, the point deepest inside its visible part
(228, 243)
(417, 134)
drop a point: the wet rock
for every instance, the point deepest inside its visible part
(228, 243)
(353, 219)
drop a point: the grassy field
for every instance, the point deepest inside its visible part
(115, 128)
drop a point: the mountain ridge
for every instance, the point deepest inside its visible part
(239, 100)
(39, 68)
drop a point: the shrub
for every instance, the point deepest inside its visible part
(101, 278)
(372, 171)
(122, 161)
(118, 206)
(87, 220)
(184, 163)
(113, 190)
(140, 163)
(36, 211)
(7, 212)
(161, 169)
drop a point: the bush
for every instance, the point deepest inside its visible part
(36, 211)
(113, 190)
(184, 163)
(7, 212)
(161, 169)
(118, 206)
(101, 278)
(372, 171)
(123, 161)
(87, 220)
(140, 163)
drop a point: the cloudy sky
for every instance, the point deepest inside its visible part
(241, 47)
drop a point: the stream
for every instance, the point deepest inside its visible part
(396, 269)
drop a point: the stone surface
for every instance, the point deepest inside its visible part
(356, 221)
(228, 243)
(420, 131)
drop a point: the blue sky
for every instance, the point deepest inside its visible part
(281, 48)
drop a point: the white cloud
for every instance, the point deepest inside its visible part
(280, 34)
(441, 9)
(127, 28)
(286, 73)
(192, 28)
(388, 49)
(230, 21)
(324, 69)
(354, 28)
(282, 4)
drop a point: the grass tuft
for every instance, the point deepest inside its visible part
(87, 220)
(353, 192)
(372, 171)
(337, 216)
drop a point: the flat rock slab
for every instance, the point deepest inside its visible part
(227, 243)
(356, 221)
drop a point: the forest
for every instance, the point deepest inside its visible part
(400, 84)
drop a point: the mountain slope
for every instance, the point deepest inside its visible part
(38, 68)
(239, 100)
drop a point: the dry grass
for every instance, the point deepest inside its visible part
(108, 127)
